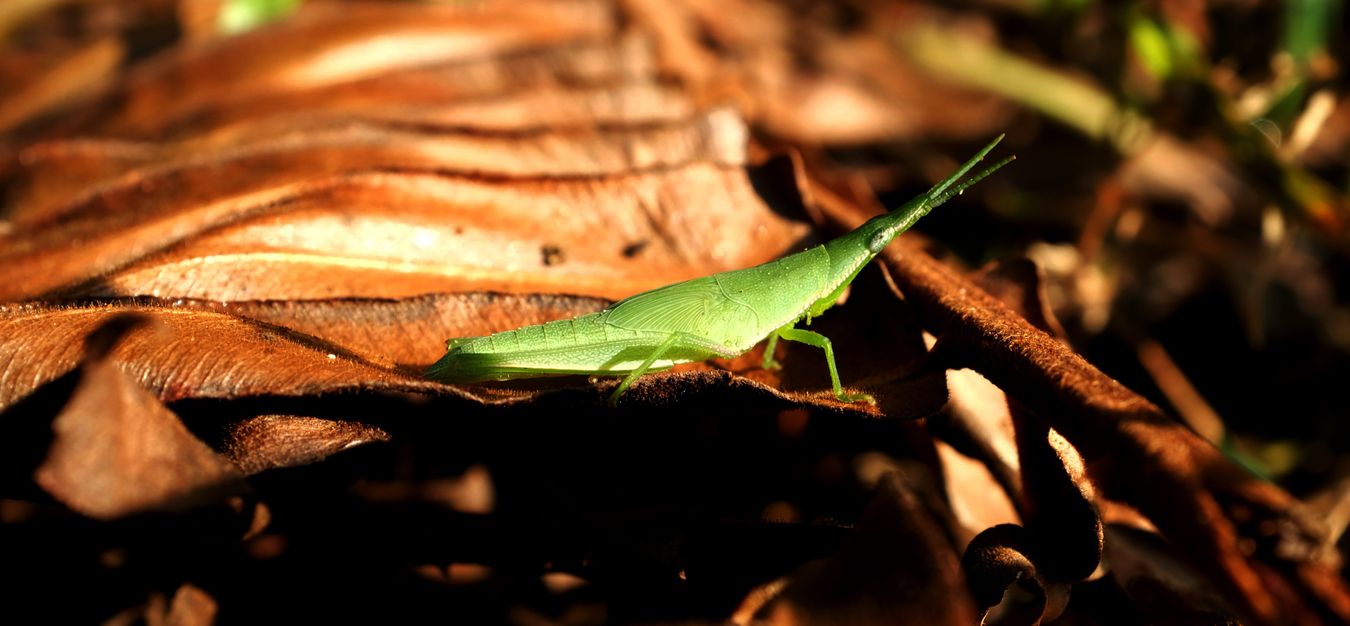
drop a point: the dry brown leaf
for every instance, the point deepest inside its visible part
(274, 441)
(800, 78)
(183, 354)
(1005, 582)
(1162, 586)
(558, 107)
(897, 567)
(118, 451)
(141, 215)
(978, 501)
(397, 235)
(190, 606)
(1059, 540)
(1020, 284)
(328, 43)
(470, 492)
(1134, 451)
(1328, 148)
(409, 333)
(1182, 483)
(1170, 169)
(977, 420)
(1064, 530)
(93, 177)
(75, 76)
(451, 91)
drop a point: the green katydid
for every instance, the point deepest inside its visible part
(722, 315)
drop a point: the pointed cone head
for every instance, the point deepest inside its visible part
(901, 219)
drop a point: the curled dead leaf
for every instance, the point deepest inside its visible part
(897, 567)
(273, 441)
(119, 451)
(183, 354)
(1064, 530)
(1187, 488)
(1004, 580)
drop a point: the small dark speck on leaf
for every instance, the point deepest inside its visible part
(633, 249)
(553, 255)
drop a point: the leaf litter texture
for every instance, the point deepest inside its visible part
(396, 235)
(117, 450)
(140, 215)
(332, 43)
(1122, 435)
(551, 170)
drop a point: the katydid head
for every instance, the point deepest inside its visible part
(898, 221)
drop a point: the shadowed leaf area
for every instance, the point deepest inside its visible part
(235, 234)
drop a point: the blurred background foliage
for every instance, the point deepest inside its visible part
(1182, 181)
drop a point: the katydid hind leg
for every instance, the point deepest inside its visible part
(682, 341)
(685, 342)
(642, 368)
(818, 340)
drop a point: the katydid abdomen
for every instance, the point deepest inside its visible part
(712, 316)
(582, 345)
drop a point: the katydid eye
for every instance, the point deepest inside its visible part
(878, 241)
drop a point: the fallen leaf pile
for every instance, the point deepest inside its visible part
(224, 265)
